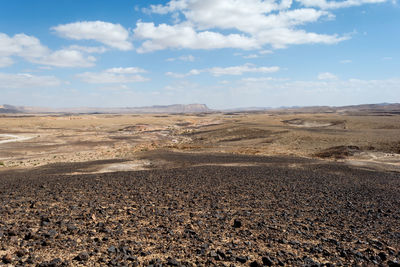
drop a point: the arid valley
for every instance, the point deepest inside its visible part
(189, 133)
(311, 187)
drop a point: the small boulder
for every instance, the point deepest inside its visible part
(172, 262)
(267, 261)
(241, 259)
(7, 258)
(237, 224)
(83, 256)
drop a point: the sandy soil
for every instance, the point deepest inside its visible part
(32, 141)
(9, 138)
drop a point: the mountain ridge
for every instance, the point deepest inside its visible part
(175, 108)
(199, 108)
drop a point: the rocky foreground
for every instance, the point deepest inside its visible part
(209, 210)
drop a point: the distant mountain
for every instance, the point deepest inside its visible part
(373, 109)
(244, 109)
(201, 108)
(191, 108)
(10, 109)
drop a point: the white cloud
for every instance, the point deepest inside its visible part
(188, 58)
(113, 35)
(251, 56)
(183, 75)
(282, 37)
(45, 68)
(256, 23)
(257, 80)
(65, 58)
(115, 87)
(239, 70)
(21, 45)
(89, 49)
(323, 4)
(26, 80)
(171, 6)
(327, 76)
(219, 71)
(224, 82)
(346, 61)
(129, 70)
(250, 17)
(6, 61)
(30, 49)
(114, 75)
(265, 52)
(181, 36)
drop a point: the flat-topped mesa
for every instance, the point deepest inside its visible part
(177, 108)
(193, 108)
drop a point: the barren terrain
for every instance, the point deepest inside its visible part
(370, 140)
(237, 188)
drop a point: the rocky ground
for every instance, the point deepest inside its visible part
(201, 210)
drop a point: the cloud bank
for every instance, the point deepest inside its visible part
(31, 49)
(251, 24)
(114, 75)
(113, 35)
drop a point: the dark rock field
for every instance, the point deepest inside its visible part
(282, 212)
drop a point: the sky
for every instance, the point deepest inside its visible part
(223, 53)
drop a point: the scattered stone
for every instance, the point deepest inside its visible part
(71, 227)
(112, 249)
(268, 208)
(44, 221)
(12, 232)
(255, 264)
(237, 224)
(7, 258)
(213, 254)
(310, 262)
(382, 255)
(241, 259)
(30, 260)
(50, 234)
(172, 262)
(393, 264)
(267, 261)
(83, 256)
(55, 262)
(21, 252)
(221, 254)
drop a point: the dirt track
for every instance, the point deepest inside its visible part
(282, 211)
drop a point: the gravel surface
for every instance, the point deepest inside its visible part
(313, 214)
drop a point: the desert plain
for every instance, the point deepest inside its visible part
(263, 188)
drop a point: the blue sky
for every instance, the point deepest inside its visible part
(226, 53)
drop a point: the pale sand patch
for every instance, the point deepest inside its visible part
(376, 160)
(308, 124)
(9, 138)
(135, 165)
(374, 165)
